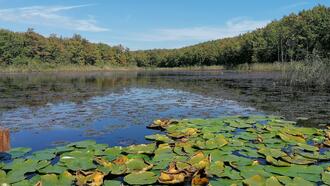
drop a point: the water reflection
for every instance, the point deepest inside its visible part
(114, 107)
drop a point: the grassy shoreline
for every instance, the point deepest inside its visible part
(91, 68)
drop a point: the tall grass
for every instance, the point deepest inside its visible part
(312, 72)
(262, 67)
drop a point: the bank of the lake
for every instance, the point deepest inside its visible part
(91, 68)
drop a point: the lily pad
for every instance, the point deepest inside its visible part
(141, 149)
(19, 152)
(159, 138)
(112, 183)
(141, 178)
(326, 177)
(137, 165)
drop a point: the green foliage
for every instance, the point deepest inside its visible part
(21, 49)
(292, 38)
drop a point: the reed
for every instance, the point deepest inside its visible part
(312, 72)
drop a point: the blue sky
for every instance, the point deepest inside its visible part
(146, 24)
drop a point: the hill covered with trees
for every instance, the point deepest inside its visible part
(292, 38)
(30, 47)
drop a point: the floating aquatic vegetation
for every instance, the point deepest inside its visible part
(221, 151)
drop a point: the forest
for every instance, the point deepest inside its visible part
(292, 38)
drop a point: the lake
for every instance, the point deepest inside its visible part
(47, 109)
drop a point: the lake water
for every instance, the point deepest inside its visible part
(48, 109)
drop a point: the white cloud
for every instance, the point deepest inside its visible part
(295, 5)
(232, 27)
(50, 16)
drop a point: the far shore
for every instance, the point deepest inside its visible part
(86, 68)
(260, 67)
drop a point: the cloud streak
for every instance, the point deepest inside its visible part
(295, 5)
(232, 27)
(50, 16)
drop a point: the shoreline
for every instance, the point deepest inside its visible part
(70, 68)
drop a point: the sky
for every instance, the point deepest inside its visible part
(146, 24)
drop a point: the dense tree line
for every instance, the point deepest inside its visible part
(292, 38)
(29, 47)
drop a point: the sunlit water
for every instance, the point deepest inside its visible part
(44, 110)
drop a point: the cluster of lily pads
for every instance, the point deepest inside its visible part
(254, 150)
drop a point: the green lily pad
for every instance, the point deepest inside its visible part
(141, 178)
(284, 179)
(249, 171)
(83, 144)
(136, 165)
(276, 162)
(275, 153)
(24, 166)
(112, 183)
(291, 138)
(18, 152)
(230, 173)
(159, 138)
(255, 180)
(326, 177)
(310, 173)
(298, 181)
(216, 168)
(112, 153)
(43, 155)
(307, 147)
(225, 182)
(80, 164)
(141, 149)
(273, 181)
(65, 179)
(56, 169)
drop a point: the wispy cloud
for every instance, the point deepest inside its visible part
(50, 16)
(232, 27)
(295, 5)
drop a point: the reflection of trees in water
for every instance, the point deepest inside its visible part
(40, 89)
(262, 91)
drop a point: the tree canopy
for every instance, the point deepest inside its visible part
(292, 38)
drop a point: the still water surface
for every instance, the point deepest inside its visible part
(43, 110)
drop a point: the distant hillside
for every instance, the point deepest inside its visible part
(292, 38)
(30, 47)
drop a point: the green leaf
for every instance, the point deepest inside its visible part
(326, 177)
(141, 149)
(112, 183)
(141, 178)
(255, 180)
(47, 154)
(310, 173)
(159, 137)
(273, 181)
(83, 144)
(56, 169)
(19, 152)
(136, 165)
